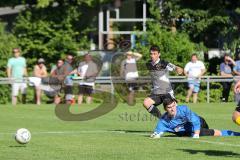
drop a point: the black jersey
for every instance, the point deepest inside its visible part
(159, 76)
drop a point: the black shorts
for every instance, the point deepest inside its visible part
(85, 90)
(204, 130)
(158, 98)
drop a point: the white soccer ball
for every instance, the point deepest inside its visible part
(23, 136)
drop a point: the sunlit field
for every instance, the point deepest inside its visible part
(120, 134)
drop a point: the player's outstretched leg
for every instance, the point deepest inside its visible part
(229, 133)
(216, 132)
(151, 108)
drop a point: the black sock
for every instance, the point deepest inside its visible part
(154, 111)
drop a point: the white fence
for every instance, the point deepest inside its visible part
(142, 80)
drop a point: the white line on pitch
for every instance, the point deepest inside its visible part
(126, 132)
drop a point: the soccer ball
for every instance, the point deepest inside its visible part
(22, 136)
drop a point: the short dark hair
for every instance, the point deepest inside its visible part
(60, 60)
(18, 49)
(226, 54)
(154, 48)
(194, 54)
(168, 101)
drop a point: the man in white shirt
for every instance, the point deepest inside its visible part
(88, 70)
(194, 70)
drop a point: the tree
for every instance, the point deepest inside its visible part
(175, 46)
(52, 28)
(215, 22)
(48, 29)
(7, 42)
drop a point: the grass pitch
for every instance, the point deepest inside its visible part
(120, 134)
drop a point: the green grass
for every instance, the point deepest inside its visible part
(121, 134)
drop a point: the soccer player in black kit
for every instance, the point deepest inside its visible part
(161, 86)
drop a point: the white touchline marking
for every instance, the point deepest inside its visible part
(69, 132)
(128, 132)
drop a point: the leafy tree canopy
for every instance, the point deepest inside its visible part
(215, 22)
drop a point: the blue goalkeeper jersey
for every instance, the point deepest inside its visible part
(185, 121)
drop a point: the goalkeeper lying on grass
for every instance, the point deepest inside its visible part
(180, 120)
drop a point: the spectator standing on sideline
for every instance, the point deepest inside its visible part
(68, 80)
(16, 69)
(88, 71)
(57, 77)
(194, 70)
(226, 71)
(40, 71)
(130, 73)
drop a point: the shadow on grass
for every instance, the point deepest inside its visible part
(142, 133)
(130, 131)
(17, 146)
(212, 152)
(137, 132)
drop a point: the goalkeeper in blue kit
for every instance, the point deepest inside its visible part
(180, 120)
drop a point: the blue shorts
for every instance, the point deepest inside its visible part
(195, 85)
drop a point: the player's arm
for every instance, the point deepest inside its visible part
(196, 134)
(179, 70)
(161, 128)
(194, 119)
(172, 67)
